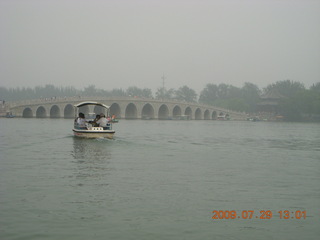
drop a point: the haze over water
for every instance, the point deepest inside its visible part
(158, 180)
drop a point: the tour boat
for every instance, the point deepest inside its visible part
(223, 117)
(89, 130)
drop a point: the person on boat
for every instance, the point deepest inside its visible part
(94, 122)
(103, 121)
(81, 121)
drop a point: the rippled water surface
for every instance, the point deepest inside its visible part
(158, 180)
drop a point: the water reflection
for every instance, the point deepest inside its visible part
(92, 158)
(90, 149)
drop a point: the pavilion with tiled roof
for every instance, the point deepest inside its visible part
(270, 101)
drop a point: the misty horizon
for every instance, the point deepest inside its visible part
(118, 44)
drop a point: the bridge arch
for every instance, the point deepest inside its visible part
(68, 111)
(115, 110)
(214, 115)
(147, 111)
(197, 114)
(176, 111)
(206, 115)
(163, 112)
(188, 112)
(55, 111)
(27, 113)
(131, 111)
(41, 112)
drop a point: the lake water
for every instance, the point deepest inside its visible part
(159, 180)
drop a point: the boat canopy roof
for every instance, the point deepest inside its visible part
(91, 103)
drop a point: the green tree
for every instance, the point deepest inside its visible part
(186, 94)
(4, 94)
(315, 102)
(209, 94)
(286, 88)
(147, 93)
(117, 92)
(223, 95)
(138, 92)
(163, 93)
(315, 87)
(250, 94)
(294, 102)
(90, 90)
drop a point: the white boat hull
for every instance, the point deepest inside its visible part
(93, 133)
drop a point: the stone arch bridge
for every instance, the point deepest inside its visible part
(123, 108)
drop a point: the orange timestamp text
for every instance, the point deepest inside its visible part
(261, 214)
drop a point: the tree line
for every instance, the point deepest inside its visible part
(295, 104)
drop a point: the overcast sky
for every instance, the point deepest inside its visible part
(122, 43)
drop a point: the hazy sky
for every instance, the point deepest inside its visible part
(122, 43)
